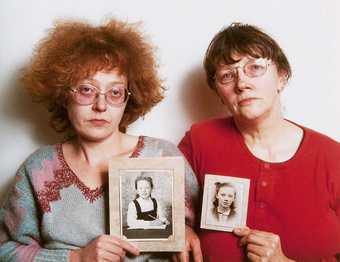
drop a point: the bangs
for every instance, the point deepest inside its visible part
(254, 50)
(91, 63)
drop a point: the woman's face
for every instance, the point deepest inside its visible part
(248, 97)
(144, 189)
(99, 120)
(225, 196)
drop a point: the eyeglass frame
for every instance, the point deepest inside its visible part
(127, 94)
(234, 69)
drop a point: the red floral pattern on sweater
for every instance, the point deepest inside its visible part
(65, 177)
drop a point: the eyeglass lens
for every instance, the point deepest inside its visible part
(86, 95)
(253, 68)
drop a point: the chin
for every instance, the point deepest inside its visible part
(96, 135)
(251, 113)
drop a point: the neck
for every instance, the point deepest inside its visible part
(270, 138)
(265, 128)
(267, 131)
(95, 152)
(223, 209)
(145, 199)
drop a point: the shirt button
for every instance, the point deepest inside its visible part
(264, 183)
(262, 205)
(266, 166)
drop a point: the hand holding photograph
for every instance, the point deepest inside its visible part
(225, 202)
(147, 202)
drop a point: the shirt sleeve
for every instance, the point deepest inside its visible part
(160, 213)
(191, 184)
(20, 238)
(185, 146)
(333, 169)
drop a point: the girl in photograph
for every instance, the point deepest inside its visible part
(224, 210)
(145, 211)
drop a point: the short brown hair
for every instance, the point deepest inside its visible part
(242, 39)
(75, 50)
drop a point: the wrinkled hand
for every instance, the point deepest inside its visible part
(192, 244)
(260, 245)
(104, 248)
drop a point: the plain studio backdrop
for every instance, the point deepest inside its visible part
(181, 31)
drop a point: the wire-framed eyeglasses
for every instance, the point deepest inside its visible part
(252, 68)
(86, 94)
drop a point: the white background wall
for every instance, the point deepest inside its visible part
(182, 30)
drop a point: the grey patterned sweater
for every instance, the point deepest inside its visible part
(49, 211)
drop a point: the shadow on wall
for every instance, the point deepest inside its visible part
(198, 100)
(19, 109)
(20, 112)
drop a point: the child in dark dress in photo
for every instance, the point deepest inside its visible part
(144, 211)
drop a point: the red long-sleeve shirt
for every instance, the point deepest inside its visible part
(298, 199)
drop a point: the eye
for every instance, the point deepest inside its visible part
(255, 69)
(86, 90)
(226, 76)
(117, 92)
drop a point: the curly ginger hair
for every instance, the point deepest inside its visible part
(74, 50)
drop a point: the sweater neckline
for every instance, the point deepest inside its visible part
(91, 194)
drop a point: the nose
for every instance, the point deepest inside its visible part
(241, 80)
(100, 104)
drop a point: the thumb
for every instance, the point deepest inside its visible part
(241, 231)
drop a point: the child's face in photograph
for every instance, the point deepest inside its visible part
(225, 196)
(144, 189)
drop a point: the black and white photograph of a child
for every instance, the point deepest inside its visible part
(147, 204)
(225, 202)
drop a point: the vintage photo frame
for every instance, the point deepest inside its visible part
(167, 177)
(225, 202)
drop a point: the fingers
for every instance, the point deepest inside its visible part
(106, 250)
(127, 246)
(255, 258)
(104, 255)
(242, 231)
(261, 238)
(183, 256)
(260, 245)
(253, 238)
(196, 250)
(175, 258)
(259, 251)
(192, 244)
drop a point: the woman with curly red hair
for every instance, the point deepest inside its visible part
(95, 81)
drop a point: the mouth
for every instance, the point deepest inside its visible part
(246, 101)
(98, 122)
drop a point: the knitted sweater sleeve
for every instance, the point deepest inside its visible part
(191, 184)
(20, 238)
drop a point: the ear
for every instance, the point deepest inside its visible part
(283, 80)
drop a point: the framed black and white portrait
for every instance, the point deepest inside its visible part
(225, 202)
(147, 202)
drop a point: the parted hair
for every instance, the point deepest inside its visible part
(218, 186)
(143, 178)
(74, 50)
(242, 39)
